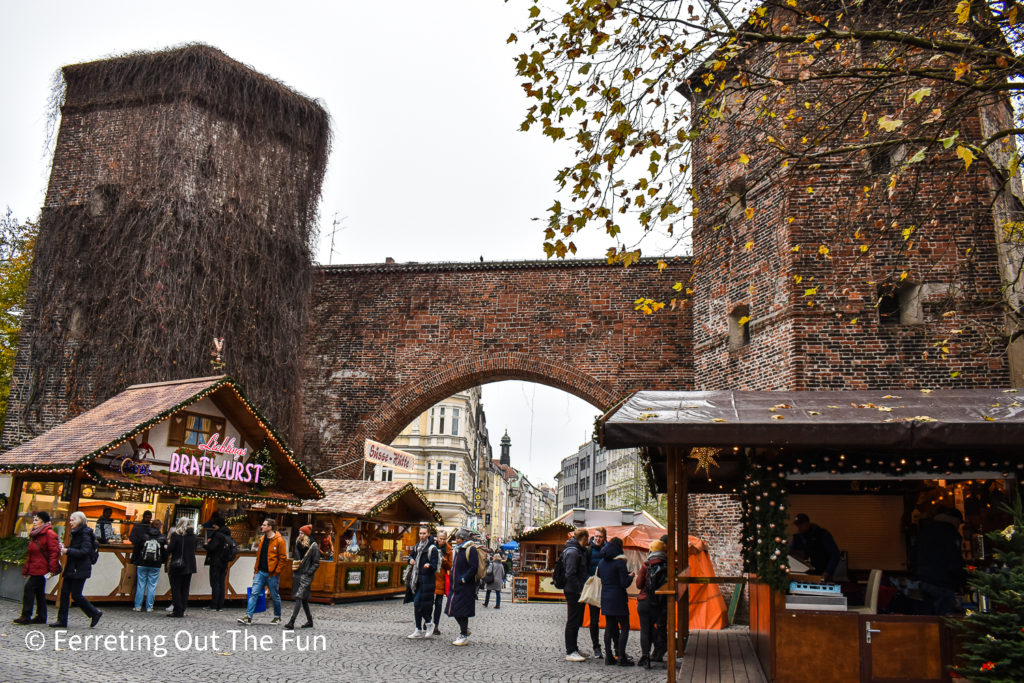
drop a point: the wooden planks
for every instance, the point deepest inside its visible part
(720, 657)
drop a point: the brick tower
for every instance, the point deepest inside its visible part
(180, 208)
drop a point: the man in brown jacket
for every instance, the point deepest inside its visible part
(271, 554)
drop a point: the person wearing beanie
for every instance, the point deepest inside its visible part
(421, 581)
(615, 579)
(651, 607)
(42, 559)
(217, 559)
(307, 559)
(462, 596)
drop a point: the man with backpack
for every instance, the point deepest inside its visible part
(220, 552)
(571, 572)
(650, 607)
(149, 557)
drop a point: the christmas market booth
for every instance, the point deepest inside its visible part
(181, 449)
(365, 530)
(883, 473)
(540, 547)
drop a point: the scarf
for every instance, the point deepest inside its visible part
(414, 575)
(42, 528)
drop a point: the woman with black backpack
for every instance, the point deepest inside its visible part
(650, 607)
(81, 554)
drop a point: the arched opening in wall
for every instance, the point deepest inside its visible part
(739, 327)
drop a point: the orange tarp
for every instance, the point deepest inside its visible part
(707, 606)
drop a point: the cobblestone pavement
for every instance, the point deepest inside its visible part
(363, 641)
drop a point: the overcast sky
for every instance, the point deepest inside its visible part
(427, 164)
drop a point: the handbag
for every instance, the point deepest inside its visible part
(177, 564)
(591, 594)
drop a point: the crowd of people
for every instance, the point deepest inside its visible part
(600, 560)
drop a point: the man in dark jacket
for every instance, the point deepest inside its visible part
(462, 597)
(139, 533)
(217, 560)
(575, 562)
(816, 545)
(77, 570)
(940, 563)
(149, 557)
(594, 549)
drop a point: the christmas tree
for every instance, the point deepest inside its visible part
(993, 641)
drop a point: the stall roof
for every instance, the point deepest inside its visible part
(358, 498)
(895, 419)
(116, 421)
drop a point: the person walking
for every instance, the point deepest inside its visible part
(441, 577)
(594, 548)
(181, 549)
(462, 596)
(149, 556)
(421, 581)
(494, 578)
(575, 562)
(304, 566)
(105, 526)
(42, 560)
(77, 570)
(217, 551)
(271, 554)
(615, 579)
(650, 607)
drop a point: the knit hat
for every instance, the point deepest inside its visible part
(307, 529)
(43, 516)
(657, 547)
(463, 534)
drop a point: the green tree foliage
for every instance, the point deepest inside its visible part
(993, 645)
(917, 93)
(17, 243)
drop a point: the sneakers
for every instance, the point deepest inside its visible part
(575, 656)
(597, 653)
(245, 620)
(136, 609)
(461, 640)
(169, 608)
(416, 634)
(428, 630)
(275, 620)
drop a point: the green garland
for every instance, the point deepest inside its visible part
(765, 549)
(261, 456)
(13, 550)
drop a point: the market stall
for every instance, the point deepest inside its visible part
(187, 448)
(541, 547)
(875, 467)
(366, 530)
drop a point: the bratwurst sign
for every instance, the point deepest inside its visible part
(209, 466)
(388, 457)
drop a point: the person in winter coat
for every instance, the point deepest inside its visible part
(441, 577)
(574, 560)
(594, 548)
(651, 608)
(271, 554)
(304, 566)
(217, 560)
(939, 560)
(615, 579)
(181, 549)
(496, 572)
(462, 597)
(139, 532)
(421, 581)
(43, 559)
(149, 557)
(77, 570)
(105, 526)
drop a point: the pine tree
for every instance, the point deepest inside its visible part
(993, 641)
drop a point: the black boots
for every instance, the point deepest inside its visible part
(645, 662)
(626, 660)
(609, 658)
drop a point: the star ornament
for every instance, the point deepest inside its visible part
(705, 458)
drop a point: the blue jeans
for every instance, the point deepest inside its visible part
(497, 598)
(145, 585)
(261, 580)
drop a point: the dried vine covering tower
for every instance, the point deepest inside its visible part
(181, 206)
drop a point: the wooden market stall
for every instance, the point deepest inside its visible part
(872, 466)
(186, 448)
(366, 530)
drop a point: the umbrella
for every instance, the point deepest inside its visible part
(511, 545)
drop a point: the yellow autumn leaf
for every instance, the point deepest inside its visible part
(965, 154)
(778, 417)
(889, 124)
(823, 250)
(989, 419)
(920, 94)
(718, 419)
(662, 265)
(963, 11)
(854, 321)
(678, 286)
(749, 245)
(960, 69)
(903, 276)
(789, 219)
(749, 212)
(810, 291)
(689, 291)
(795, 249)
(863, 248)
(798, 278)
(744, 159)
(744, 320)
(955, 373)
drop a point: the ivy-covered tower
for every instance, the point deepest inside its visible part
(180, 208)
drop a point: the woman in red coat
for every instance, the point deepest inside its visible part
(43, 559)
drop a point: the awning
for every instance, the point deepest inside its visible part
(894, 420)
(188, 485)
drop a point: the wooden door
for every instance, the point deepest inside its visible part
(904, 649)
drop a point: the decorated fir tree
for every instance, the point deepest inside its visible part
(765, 550)
(993, 641)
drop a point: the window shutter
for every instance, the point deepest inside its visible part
(176, 430)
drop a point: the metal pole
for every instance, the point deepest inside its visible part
(673, 539)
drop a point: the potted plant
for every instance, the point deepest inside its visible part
(13, 551)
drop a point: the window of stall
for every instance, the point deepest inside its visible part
(45, 496)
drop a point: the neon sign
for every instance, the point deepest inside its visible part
(205, 466)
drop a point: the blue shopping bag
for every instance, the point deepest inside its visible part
(261, 601)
